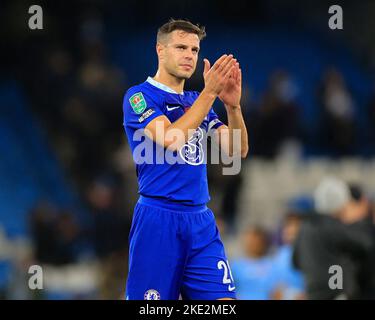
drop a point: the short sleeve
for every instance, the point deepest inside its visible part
(213, 120)
(140, 108)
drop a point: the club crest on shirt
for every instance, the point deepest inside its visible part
(138, 102)
(151, 294)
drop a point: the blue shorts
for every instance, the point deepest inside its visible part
(176, 252)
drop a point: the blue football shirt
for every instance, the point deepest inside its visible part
(183, 181)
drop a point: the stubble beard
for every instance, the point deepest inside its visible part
(180, 75)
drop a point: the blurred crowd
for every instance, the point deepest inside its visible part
(338, 232)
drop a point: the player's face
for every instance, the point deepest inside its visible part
(180, 54)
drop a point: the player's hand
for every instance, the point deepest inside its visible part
(231, 93)
(216, 77)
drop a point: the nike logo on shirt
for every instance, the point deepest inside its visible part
(172, 108)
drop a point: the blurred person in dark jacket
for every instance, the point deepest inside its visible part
(358, 216)
(324, 241)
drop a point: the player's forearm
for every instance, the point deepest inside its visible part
(193, 118)
(236, 121)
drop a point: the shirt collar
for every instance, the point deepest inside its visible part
(161, 86)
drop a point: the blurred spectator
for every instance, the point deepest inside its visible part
(82, 130)
(55, 235)
(101, 82)
(290, 283)
(358, 216)
(278, 117)
(323, 241)
(124, 168)
(358, 208)
(226, 189)
(43, 233)
(110, 237)
(253, 273)
(338, 124)
(110, 227)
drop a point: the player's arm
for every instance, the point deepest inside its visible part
(174, 135)
(224, 136)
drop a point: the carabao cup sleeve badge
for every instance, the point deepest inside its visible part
(138, 102)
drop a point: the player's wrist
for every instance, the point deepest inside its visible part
(209, 94)
(233, 108)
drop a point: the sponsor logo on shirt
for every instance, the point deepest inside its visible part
(145, 115)
(192, 151)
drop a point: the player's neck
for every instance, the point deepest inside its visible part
(170, 81)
